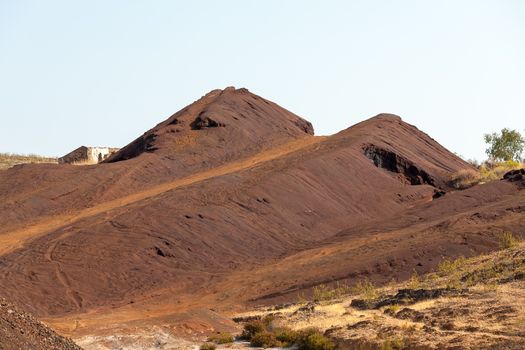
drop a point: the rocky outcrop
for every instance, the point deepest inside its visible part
(19, 330)
(404, 297)
(515, 175)
(391, 161)
(205, 121)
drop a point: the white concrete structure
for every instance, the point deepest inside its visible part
(87, 155)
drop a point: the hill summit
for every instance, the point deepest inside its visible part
(232, 120)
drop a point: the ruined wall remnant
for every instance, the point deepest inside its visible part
(87, 155)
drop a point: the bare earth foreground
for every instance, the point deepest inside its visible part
(468, 304)
(232, 205)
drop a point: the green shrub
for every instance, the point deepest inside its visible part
(286, 336)
(252, 328)
(264, 339)
(312, 339)
(508, 240)
(507, 145)
(267, 321)
(208, 346)
(259, 334)
(221, 338)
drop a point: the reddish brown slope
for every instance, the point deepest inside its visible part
(191, 236)
(221, 127)
(402, 148)
(464, 223)
(232, 123)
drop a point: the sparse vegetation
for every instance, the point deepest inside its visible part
(415, 280)
(508, 240)
(393, 344)
(465, 178)
(221, 338)
(486, 172)
(448, 266)
(323, 292)
(491, 171)
(261, 333)
(459, 311)
(312, 339)
(392, 309)
(265, 340)
(252, 328)
(301, 298)
(208, 346)
(8, 160)
(366, 289)
(286, 336)
(451, 270)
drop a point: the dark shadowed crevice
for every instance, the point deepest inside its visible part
(145, 143)
(393, 162)
(203, 121)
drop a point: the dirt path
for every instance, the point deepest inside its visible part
(62, 277)
(16, 239)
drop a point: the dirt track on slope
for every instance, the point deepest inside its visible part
(17, 239)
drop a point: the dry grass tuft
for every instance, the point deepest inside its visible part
(367, 290)
(495, 171)
(448, 267)
(221, 338)
(486, 172)
(324, 293)
(208, 346)
(508, 240)
(465, 178)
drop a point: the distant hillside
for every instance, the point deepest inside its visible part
(7, 160)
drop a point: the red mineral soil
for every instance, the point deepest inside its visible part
(230, 203)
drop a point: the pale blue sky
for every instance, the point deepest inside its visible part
(103, 72)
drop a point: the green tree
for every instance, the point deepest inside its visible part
(507, 145)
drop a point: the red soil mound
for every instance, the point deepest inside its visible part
(241, 123)
(19, 330)
(221, 127)
(231, 200)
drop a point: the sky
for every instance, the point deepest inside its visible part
(101, 73)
